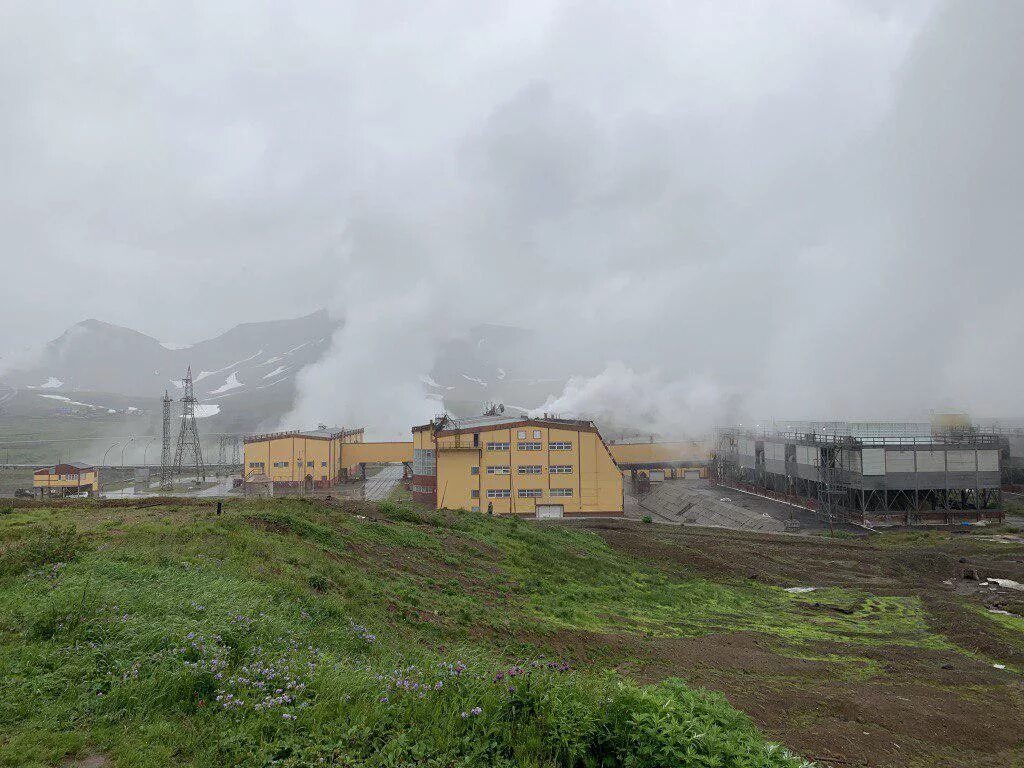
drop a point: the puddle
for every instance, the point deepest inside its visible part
(1001, 612)
(800, 590)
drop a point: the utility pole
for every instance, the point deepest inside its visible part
(189, 451)
(165, 453)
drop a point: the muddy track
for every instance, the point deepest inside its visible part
(909, 707)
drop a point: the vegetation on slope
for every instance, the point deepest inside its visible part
(290, 632)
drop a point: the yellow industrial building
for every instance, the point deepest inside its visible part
(310, 459)
(661, 461)
(544, 467)
(66, 479)
(316, 459)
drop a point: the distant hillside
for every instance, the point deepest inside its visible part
(245, 377)
(93, 356)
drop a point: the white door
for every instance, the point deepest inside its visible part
(692, 474)
(548, 511)
(657, 475)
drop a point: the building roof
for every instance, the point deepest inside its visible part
(448, 424)
(64, 468)
(328, 433)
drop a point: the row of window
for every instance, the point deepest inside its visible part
(260, 464)
(422, 489)
(560, 445)
(526, 469)
(522, 434)
(524, 493)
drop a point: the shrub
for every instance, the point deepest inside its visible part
(646, 519)
(56, 544)
(400, 514)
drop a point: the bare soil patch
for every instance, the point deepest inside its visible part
(905, 706)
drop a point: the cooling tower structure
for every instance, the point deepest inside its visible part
(868, 477)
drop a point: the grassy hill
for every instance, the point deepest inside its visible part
(295, 633)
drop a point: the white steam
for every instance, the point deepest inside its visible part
(646, 402)
(796, 233)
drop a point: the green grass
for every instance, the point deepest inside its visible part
(134, 632)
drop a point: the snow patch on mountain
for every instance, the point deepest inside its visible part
(51, 382)
(429, 381)
(481, 382)
(202, 410)
(274, 359)
(203, 374)
(69, 401)
(174, 347)
(276, 371)
(231, 382)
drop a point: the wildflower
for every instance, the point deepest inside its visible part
(476, 711)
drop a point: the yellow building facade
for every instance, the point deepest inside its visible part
(311, 459)
(683, 458)
(508, 465)
(63, 479)
(355, 455)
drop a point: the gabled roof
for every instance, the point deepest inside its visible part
(65, 468)
(449, 425)
(328, 433)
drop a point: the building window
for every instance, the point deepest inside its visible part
(560, 469)
(530, 493)
(323, 463)
(497, 446)
(560, 446)
(498, 493)
(498, 470)
(557, 492)
(422, 489)
(522, 434)
(474, 470)
(476, 439)
(528, 446)
(474, 494)
(529, 469)
(536, 434)
(309, 463)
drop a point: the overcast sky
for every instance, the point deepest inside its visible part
(793, 206)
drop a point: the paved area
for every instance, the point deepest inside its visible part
(698, 502)
(379, 486)
(695, 502)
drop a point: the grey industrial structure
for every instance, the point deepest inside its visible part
(847, 472)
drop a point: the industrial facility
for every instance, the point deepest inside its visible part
(652, 461)
(297, 459)
(67, 479)
(316, 459)
(869, 473)
(543, 467)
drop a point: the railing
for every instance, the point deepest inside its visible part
(960, 439)
(463, 442)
